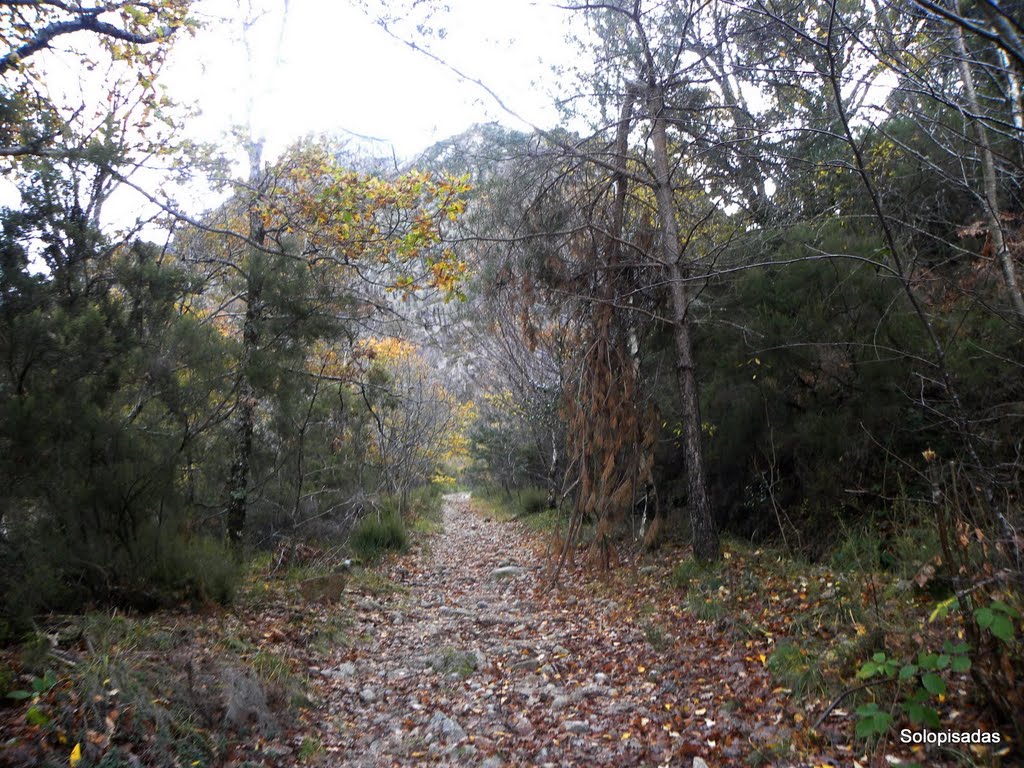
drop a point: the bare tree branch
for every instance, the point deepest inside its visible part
(88, 22)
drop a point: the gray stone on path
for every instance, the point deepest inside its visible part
(522, 726)
(277, 750)
(589, 692)
(348, 669)
(447, 727)
(368, 695)
(449, 661)
(576, 726)
(698, 762)
(449, 611)
(529, 664)
(506, 572)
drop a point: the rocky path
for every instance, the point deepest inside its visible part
(468, 664)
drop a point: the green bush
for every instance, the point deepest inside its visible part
(376, 534)
(796, 669)
(159, 570)
(201, 569)
(687, 572)
(859, 549)
(530, 501)
(659, 639)
(900, 547)
(425, 503)
(705, 606)
(533, 501)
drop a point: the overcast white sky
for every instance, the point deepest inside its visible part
(333, 70)
(324, 66)
(338, 71)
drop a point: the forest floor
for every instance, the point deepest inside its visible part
(471, 661)
(457, 653)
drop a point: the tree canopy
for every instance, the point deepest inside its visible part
(762, 282)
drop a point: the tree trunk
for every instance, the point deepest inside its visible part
(990, 193)
(247, 402)
(702, 525)
(245, 420)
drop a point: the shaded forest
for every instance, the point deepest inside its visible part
(760, 290)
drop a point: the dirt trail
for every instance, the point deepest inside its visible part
(467, 665)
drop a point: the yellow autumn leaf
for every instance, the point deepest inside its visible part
(76, 755)
(626, 735)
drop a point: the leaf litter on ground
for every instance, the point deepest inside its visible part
(456, 653)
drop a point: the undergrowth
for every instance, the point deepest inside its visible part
(387, 529)
(170, 688)
(874, 596)
(515, 503)
(377, 534)
(528, 505)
